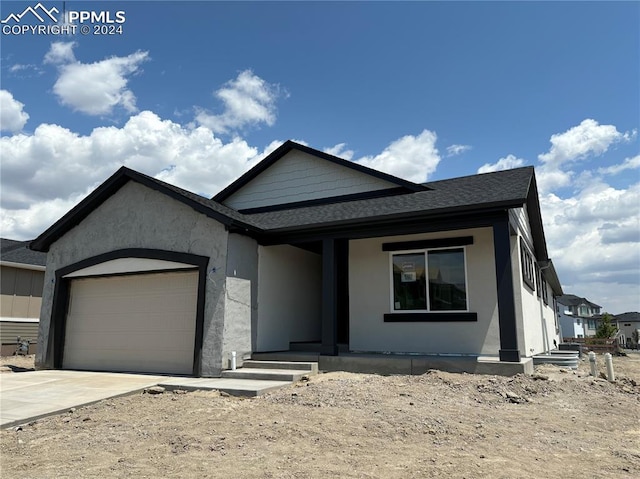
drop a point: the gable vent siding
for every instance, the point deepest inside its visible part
(299, 176)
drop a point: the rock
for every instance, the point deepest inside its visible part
(224, 394)
(540, 377)
(179, 391)
(154, 390)
(514, 398)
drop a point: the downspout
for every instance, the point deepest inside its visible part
(545, 333)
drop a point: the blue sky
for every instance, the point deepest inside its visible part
(195, 93)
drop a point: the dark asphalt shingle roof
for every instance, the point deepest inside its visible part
(630, 316)
(18, 252)
(502, 189)
(573, 300)
(509, 187)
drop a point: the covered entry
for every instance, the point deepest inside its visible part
(133, 322)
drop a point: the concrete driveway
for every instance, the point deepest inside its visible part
(30, 395)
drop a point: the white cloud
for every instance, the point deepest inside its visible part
(412, 158)
(56, 163)
(506, 163)
(592, 228)
(60, 52)
(12, 114)
(594, 238)
(248, 100)
(94, 88)
(587, 139)
(340, 150)
(25, 70)
(627, 164)
(454, 150)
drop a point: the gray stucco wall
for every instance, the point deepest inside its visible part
(370, 299)
(241, 302)
(139, 217)
(289, 297)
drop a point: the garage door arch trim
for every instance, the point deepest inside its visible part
(62, 291)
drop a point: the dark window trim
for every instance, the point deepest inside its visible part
(430, 317)
(539, 280)
(426, 252)
(543, 287)
(428, 244)
(526, 261)
(62, 289)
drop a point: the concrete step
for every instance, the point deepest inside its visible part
(266, 374)
(313, 347)
(288, 356)
(235, 387)
(311, 367)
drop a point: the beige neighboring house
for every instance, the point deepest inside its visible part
(629, 329)
(21, 278)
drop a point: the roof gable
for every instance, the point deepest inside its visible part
(79, 212)
(295, 174)
(18, 252)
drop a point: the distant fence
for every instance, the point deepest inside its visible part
(597, 345)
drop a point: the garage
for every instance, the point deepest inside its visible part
(135, 323)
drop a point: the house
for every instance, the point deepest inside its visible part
(305, 251)
(21, 278)
(578, 316)
(628, 329)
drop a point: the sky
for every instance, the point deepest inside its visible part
(195, 93)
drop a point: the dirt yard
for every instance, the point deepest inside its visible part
(556, 423)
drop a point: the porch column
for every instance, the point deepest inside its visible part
(506, 303)
(329, 299)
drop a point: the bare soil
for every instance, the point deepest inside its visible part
(557, 423)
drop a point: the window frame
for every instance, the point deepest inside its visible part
(436, 313)
(527, 264)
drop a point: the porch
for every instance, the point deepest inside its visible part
(396, 363)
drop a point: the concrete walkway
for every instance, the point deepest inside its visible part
(27, 396)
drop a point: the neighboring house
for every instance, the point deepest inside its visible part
(305, 250)
(629, 329)
(21, 278)
(578, 316)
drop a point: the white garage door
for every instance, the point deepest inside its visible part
(141, 323)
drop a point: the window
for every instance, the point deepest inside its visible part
(543, 287)
(528, 271)
(592, 324)
(431, 280)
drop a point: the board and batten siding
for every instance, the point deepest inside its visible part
(27, 330)
(21, 291)
(369, 300)
(520, 221)
(298, 176)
